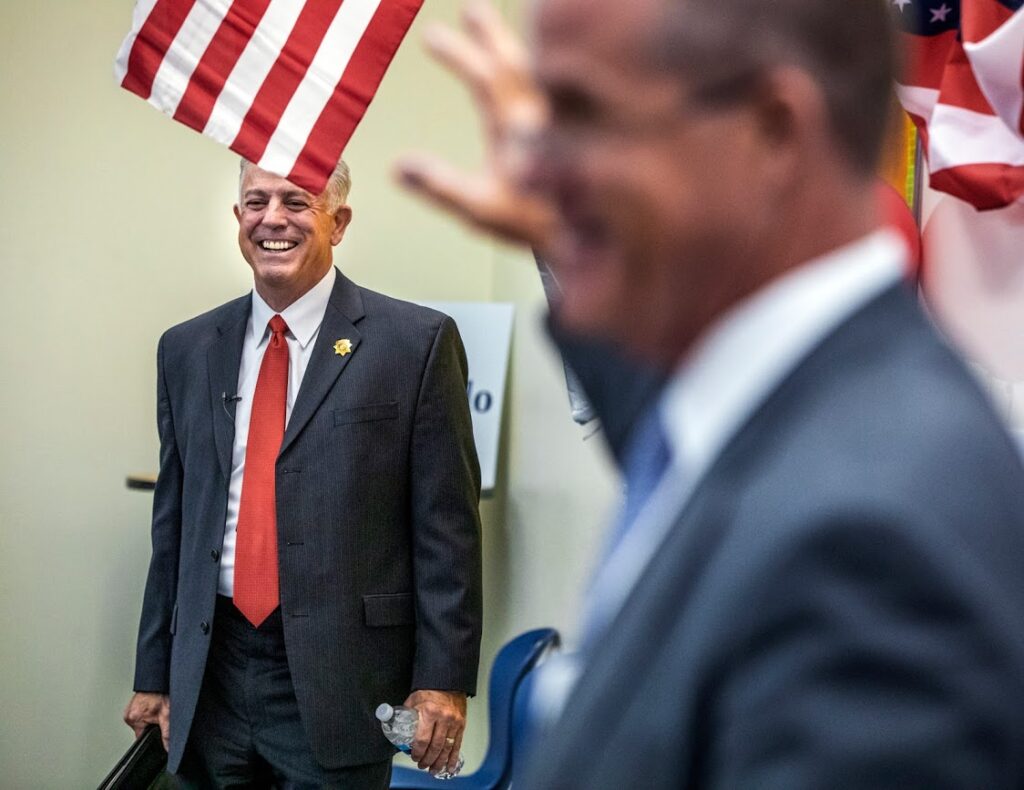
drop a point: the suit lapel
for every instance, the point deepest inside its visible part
(222, 359)
(344, 309)
(675, 566)
(606, 683)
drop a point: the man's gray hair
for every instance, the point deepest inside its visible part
(335, 193)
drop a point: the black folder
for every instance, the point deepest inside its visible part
(142, 766)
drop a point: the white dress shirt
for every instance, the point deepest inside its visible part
(303, 317)
(736, 364)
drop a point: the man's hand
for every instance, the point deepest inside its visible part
(442, 721)
(145, 708)
(491, 61)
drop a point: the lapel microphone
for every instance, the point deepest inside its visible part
(225, 400)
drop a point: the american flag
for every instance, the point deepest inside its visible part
(283, 83)
(963, 88)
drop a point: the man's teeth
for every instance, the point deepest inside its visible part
(277, 245)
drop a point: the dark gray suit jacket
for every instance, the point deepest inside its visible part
(841, 603)
(378, 529)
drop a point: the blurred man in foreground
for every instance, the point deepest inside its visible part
(815, 581)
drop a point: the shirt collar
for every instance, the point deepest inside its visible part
(747, 352)
(303, 316)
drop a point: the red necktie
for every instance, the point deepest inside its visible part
(256, 585)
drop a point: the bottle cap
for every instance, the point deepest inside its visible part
(384, 712)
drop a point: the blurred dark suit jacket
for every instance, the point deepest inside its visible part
(378, 528)
(618, 388)
(839, 605)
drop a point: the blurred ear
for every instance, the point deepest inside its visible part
(791, 119)
(342, 218)
(238, 213)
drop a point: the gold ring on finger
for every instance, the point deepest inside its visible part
(449, 741)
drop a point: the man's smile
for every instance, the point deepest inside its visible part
(277, 245)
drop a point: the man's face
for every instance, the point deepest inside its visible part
(285, 233)
(651, 187)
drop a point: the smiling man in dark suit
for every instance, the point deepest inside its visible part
(815, 581)
(315, 525)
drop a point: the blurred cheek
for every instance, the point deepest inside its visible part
(595, 298)
(587, 311)
(536, 165)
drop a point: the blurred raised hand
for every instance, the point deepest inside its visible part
(493, 63)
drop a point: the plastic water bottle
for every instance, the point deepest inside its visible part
(399, 726)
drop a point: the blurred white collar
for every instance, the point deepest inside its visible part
(745, 355)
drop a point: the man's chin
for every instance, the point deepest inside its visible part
(275, 269)
(589, 300)
(578, 312)
(582, 313)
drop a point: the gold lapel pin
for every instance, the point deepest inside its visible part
(343, 347)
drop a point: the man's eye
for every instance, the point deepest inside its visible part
(297, 205)
(254, 204)
(573, 106)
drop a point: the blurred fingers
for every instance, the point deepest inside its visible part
(454, 50)
(485, 24)
(444, 185)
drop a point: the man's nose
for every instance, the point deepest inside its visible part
(541, 164)
(274, 214)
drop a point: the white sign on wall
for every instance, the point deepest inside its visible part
(486, 329)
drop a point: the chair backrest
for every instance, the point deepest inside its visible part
(512, 664)
(524, 726)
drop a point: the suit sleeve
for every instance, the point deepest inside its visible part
(873, 666)
(153, 652)
(445, 482)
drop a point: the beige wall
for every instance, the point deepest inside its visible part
(115, 224)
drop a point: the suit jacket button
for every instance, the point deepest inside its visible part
(204, 627)
(215, 555)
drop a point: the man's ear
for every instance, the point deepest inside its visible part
(238, 213)
(792, 118)
(342, 218)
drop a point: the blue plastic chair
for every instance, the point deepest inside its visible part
(524, 723)
(511, 666)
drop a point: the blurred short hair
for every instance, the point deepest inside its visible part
(848, 46)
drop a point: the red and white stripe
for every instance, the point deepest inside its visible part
(967, 99)
(283, 83)
(994, 43)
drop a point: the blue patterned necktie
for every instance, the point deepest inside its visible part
(644, 463)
